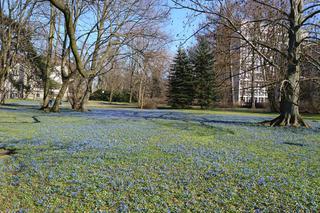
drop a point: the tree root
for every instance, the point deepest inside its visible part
(286, 120)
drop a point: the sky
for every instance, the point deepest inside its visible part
(181, 28)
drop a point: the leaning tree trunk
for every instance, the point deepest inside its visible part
(58, 100)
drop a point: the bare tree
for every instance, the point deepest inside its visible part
(48, 69)
(117, 23)
(14, 16)
(295, 18)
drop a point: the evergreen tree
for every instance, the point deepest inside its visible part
(180, 81)
(202, 60)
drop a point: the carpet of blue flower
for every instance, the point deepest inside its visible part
(130, 160)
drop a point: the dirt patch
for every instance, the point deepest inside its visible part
(6, 152)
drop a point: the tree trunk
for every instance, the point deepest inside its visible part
(131, 86)
(82, 105)
(142, 97)
(2, 90)
(111, 96)
(64, 75)
(253, 101)
(131, 94)
(46, 74)
(290, 87)
(140, 90)
(231, 100)
(62, 91)
(76, 105)
(289, 104)
(273, 104)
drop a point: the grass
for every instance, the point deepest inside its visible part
(130, 160)
(215, 111)
(245, 112)
(105, 104)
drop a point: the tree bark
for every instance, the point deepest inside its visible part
(140, 91)
(81, 105)
(253, 101)
(46, 74)
(64, 75)
(142, 97)
(2, 89)
(62, 91)
(273, 103)
(131, 86)
(290, 87)
(111, 96)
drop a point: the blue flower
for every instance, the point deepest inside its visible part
(261, 181)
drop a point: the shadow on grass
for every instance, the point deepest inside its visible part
(7, 152)
(294, 144)
(18, 106)
(35, 120)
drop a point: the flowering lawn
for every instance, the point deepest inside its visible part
(158, 160)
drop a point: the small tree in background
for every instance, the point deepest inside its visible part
(203, 62)
(180, 81)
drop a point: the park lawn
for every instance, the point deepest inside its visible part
(245, 112)
(108, 105)
(215, 111)
(103, 161)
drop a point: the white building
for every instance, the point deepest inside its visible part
(21, 83)
(248, 75)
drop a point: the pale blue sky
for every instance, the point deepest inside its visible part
(180, 27)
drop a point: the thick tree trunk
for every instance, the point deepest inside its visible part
(81, 105)
(290, 87)
(289, 104)
(74, 97)
(77, 105)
